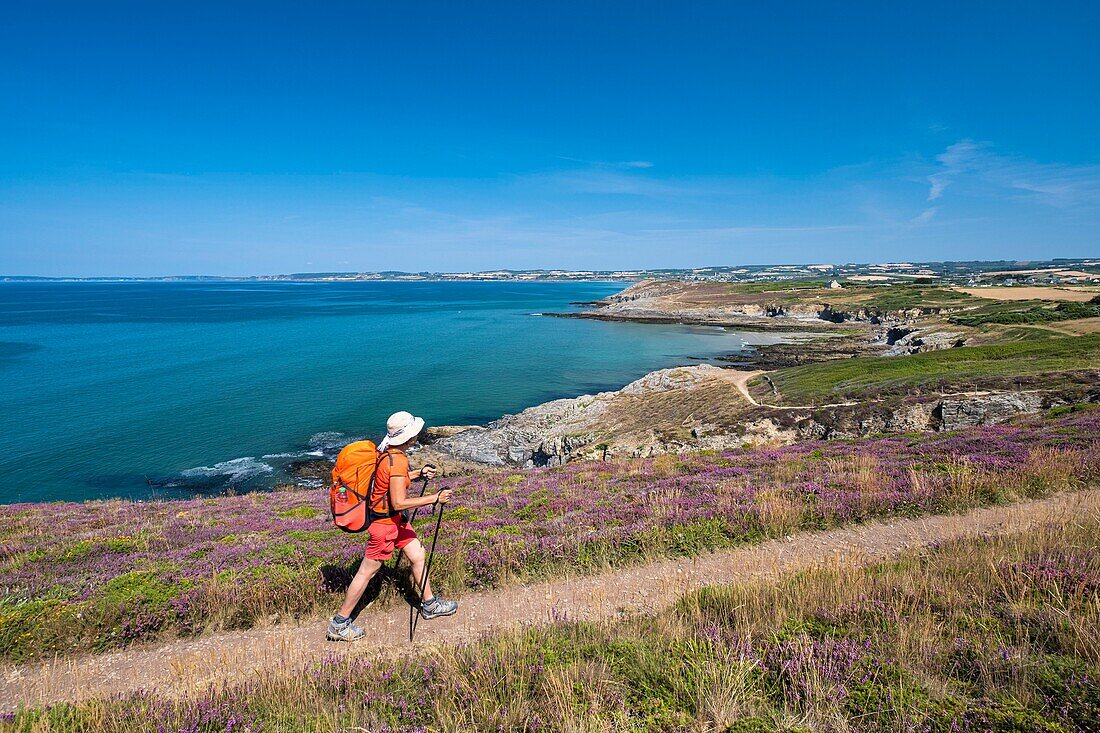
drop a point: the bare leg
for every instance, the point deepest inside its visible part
(359, 585)
(415, 552)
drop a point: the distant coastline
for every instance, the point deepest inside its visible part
(955, 271)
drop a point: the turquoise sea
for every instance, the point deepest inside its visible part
(172, 389)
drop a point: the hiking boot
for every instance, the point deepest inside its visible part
(344, 631)
(436, 607)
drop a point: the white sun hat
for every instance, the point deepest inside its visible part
(400, 428)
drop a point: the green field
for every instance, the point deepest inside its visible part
(905, 297)
(780, 286)
(1028, 311)
(883, 298)
(867, 376)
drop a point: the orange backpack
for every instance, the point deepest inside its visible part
(352, 485)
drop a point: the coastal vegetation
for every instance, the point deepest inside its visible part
(994, 634)
(876, 297)
(943, 369)
(1028, 311)
(100, 575)
(921, 304)
(886, 298)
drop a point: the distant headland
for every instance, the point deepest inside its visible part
(1056, 271)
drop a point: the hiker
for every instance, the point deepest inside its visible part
(393, 478)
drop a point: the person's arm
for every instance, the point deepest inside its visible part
(429, 470)
(400, 499)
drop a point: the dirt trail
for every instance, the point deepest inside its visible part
(741, 379)
(186, 666)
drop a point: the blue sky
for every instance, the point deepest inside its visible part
(249, 138)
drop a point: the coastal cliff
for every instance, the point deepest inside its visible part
(706, 407)
(895, 326)
(869, 361)
(712, 301)
(635, 420)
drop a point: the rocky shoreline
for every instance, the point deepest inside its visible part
(740, 323)
(859, 331)
(711, 407)
(639, 420)
(702, 407)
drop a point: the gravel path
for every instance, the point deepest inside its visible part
(188, 665)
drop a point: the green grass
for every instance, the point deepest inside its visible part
(1027, 311)
(779, 286)
(1023, 333)
(861, 377)
(905, 297)
(302, 512)
(144, 586)
(874, 297)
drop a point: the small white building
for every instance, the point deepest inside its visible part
(835, 284)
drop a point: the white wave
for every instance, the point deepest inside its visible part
(238, 469)
(297, 455)
(328, 439)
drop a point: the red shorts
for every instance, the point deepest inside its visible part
(385, 536)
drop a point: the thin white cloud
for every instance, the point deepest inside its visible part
(982, 170)
(954, 161)
(738, 231)
(924, 217)
(609, 181)
(937, 183)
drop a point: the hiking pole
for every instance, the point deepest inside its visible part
(412, 607)
(427, 569)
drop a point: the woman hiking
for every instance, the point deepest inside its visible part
(393, 478)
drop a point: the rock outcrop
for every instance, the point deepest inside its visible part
(934, 414)
(554, 432)
(433, 433)
(539, 436)
(965, 412)
(594, 426)
(902, 340)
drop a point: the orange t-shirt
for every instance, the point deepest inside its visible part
(390, 464)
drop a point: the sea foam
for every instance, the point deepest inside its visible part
(238, 469)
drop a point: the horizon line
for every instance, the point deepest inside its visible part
(544, 270)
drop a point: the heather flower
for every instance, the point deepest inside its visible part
(241, 558)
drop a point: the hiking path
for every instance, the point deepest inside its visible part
(187, 666)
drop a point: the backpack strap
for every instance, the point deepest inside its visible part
(373, 508)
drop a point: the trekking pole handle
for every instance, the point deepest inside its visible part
(424, 487)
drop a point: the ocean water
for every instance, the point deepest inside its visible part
(171, 389)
